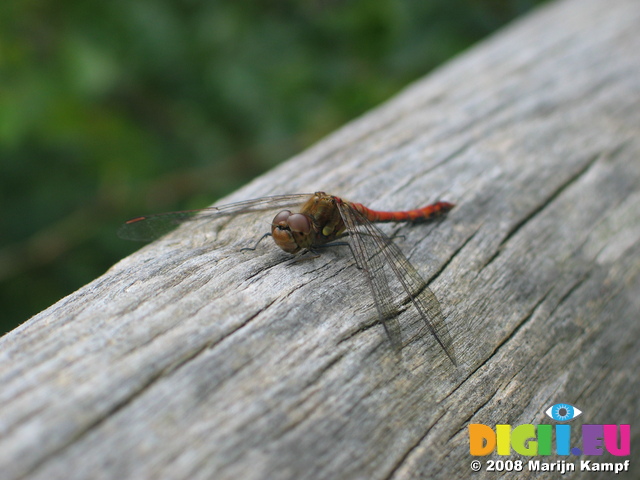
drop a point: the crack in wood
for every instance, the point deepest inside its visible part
(529, 216)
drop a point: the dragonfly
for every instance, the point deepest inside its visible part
(320, 220)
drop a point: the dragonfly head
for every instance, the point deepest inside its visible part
(291, 231)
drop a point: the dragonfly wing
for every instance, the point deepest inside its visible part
(363, 234)
(371, 263)
(150, 227)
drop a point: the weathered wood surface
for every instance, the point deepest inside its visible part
(192, 360)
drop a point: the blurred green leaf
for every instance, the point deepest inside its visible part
(113, 109)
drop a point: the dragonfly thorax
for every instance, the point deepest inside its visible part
(291, 231)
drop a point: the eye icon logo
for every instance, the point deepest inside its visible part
(563, 412)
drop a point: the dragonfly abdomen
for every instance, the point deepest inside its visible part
(424, 213)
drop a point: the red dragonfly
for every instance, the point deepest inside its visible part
(323, 219)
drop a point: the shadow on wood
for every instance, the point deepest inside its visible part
(192, 359)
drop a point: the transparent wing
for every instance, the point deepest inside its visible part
(150, 227)
(372, 249)
(370, 262)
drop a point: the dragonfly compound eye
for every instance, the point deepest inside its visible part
(282, 234)
(281, 218)
(299, 223)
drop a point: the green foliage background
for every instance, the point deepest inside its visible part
(110, 109)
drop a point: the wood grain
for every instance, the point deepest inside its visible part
(191, 359)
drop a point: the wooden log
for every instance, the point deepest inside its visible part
(192, 359)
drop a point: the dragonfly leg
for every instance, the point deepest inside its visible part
(268, 234)
(313, 252)
(337, 244)
(305, 255)
(332, 244)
